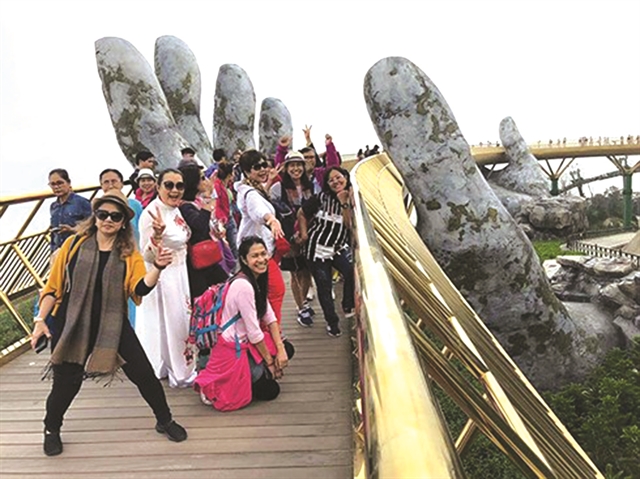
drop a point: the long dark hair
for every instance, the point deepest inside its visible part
(191, 175)
(287, 181)
(259, 284)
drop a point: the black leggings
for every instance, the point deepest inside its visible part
(266, 388)
(67, 380)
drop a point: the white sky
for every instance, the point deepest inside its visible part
(559, 68)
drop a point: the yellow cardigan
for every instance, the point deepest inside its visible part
(58, 284)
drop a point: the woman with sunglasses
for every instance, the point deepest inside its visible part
(162, 321)
(259, 219)
(198, 215)
(90, 281)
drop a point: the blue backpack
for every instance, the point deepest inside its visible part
(206, 316)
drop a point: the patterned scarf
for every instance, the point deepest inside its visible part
(258, 186)
(73, 345)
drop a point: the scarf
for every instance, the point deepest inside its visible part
(73, 345)
(258, 186)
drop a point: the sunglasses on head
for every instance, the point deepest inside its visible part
(169, 185)
(260, 166)
(115, 216)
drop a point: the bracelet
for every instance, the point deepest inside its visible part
(160, 268)
(270, 364)
(38, 319)
(345, 205)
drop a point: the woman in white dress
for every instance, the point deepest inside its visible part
(162, 322)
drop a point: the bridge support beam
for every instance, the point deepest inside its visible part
(627, 192)
(627, 196)
(554, 175)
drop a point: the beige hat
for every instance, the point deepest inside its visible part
(146, 173)
(292, 156)
(117, 198)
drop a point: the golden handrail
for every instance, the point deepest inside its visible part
(511, 413)
(405, 435)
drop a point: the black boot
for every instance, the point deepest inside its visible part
(52, 443)
(174, 431)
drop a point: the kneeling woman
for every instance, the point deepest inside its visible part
(91, 279)
(245, 362)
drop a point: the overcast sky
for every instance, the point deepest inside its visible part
(559, 68)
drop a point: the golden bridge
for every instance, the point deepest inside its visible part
(361, 406)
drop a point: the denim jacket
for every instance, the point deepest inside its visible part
(69, 213)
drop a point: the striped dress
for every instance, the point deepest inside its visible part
(327, 234)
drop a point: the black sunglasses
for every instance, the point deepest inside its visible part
(169, 185)
(260, 166)
(115, 216)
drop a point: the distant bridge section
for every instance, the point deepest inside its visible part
(488, 155)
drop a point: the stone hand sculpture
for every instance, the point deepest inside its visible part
(234, 110)
(468, 230)
(179, 75)
(139, 111)
(275, 122)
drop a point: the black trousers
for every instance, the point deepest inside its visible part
(265, 388)
(67, 380)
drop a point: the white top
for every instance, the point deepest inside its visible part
(254, 207)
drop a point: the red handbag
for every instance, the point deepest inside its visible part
(204, 254)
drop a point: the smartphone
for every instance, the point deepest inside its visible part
(42, 344)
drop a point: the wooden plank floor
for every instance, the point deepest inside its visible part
(109, 432)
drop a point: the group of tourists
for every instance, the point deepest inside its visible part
(126, 273)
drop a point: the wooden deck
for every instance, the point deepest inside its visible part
(109, 432)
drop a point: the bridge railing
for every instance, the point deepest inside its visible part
(508, 410)
(24, 257)
(602, 251)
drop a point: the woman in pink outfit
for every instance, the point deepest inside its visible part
(246, 361)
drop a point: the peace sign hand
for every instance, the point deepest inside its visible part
(307, 133)
(158, 224)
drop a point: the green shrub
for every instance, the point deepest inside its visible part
(10, 330)
(603, 412)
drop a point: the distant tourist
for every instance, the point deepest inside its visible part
(67, 210)
(146, 191)
(144, 159)
(188, 153)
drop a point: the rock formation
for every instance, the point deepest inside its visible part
(179, 76)
(611, 284)
(469, 231)
(139, 111)
(524, 191)
(275, 121)
(234, 110)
